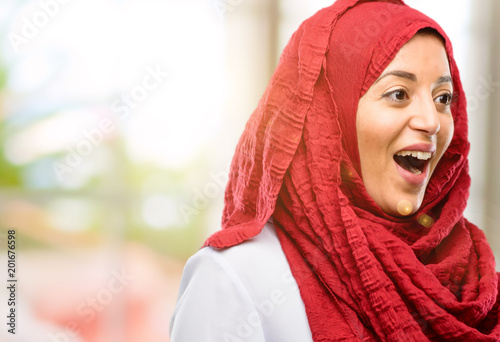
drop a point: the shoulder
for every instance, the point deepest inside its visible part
(259, 262)
(249, 286)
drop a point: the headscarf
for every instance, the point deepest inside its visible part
(363, 275)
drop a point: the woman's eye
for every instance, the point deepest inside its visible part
(398, 95)
(444, 99)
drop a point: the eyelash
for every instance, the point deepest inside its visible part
(391, 96)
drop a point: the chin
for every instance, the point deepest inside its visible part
(402, 202)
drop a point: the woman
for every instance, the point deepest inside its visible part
(356, 158)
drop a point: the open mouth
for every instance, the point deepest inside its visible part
(412, 161)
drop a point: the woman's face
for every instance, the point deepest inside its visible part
(404, 125)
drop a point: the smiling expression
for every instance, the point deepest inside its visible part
(404, 125)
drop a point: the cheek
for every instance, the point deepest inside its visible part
(444, 137)
(373, 140)
(377, 130)
(365, 141)
(446, 132)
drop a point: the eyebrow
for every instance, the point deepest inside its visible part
(444, 79)
(412, 77)
(398, 73)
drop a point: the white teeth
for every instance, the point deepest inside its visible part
(415, 154)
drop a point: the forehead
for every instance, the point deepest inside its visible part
(424, 54)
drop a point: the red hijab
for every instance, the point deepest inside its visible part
(362, 274)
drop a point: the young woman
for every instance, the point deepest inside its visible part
(343, 216)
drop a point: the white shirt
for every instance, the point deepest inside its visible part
(244, 293)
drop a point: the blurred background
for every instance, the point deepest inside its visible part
(118, 120)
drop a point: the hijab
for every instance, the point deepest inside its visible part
(363, 275)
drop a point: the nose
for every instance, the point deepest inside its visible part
(426, 117)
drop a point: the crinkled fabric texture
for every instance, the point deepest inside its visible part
(362, 274)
